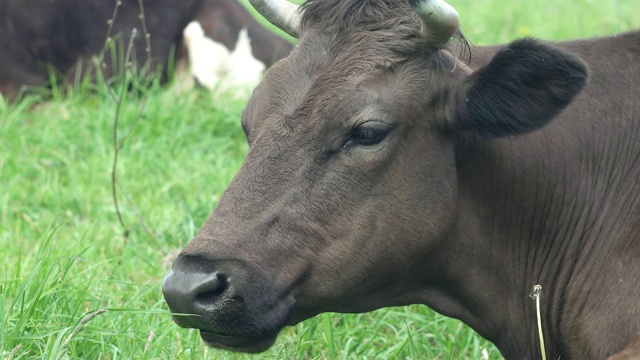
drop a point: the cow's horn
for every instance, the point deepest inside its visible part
(281, 13)
(439, 19)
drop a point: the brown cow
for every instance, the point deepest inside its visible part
(67, 34)
(386, 168)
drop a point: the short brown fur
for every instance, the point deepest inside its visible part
(386, 169)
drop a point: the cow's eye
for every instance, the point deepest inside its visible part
(367, 134)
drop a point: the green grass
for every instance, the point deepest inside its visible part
(63, 256)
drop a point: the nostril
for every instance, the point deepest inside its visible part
(189, 292)
(210, 292)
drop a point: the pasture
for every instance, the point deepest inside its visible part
(72, 286)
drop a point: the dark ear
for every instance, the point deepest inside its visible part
(525, 85)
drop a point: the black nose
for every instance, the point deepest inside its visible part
(233, 303)
(193, 288)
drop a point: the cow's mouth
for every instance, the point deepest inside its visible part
(234, 306)
(238, 343)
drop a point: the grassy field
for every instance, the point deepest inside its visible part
(71, 286)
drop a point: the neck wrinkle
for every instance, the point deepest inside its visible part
(492, 293)
(517, 225)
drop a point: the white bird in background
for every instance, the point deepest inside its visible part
(244, 69)
(208, 60)
(217, 68)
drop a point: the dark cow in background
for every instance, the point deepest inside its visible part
(223, 20)
(227, 49)
(66, 34)
(390, 166)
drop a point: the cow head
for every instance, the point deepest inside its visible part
(349, 187)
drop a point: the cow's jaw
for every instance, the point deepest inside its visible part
(237, 343)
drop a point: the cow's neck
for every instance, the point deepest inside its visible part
(516, 230)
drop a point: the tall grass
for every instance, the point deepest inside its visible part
(63, 256)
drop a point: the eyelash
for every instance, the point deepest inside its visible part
(366, 136)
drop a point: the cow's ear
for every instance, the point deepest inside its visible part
(523, 87)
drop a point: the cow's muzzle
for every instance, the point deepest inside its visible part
(234, 306)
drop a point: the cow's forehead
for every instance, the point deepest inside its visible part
(332, 70)
(324, 95)
(323, 81)
(338, 15)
